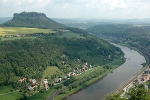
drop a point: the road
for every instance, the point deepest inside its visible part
(131, 80)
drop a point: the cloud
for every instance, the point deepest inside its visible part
(4, 1)
(35, 3)
(81, 8)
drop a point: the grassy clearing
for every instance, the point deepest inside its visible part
(12, 96)
(5, 89)
(8, 93)
(50, 70)
(22, 30)
(42, 96)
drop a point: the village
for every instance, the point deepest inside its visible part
(44, 84)
(142, 78)
(17, 35)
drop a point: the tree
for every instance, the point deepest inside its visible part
(138, 93)
(114, 97)
(135, 93)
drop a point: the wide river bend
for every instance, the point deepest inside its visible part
(113, 80)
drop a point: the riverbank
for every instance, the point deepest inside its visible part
(147, 58)
(49, 94)
(113, 80)
(145, 66)
(115, 65)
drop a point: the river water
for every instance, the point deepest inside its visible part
(113, 80)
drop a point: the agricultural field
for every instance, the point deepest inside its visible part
(22, 30)
(13, 33)
(51, 70)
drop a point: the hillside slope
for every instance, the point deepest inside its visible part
(119, 30)
(29, 57)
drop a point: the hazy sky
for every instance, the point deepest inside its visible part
(79, 8)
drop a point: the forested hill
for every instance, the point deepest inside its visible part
(29, 57)
(31, 19)
(120, 30)
(110, 29)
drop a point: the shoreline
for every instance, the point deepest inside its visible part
(96, 79)
(120, 89)
(116, 63)
(88, 83)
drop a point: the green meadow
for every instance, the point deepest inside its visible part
(8, 93)
(51, 70)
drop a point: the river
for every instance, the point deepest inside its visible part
(114, 80)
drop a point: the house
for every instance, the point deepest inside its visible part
(18, 35)
(45, 81)
(65, 77)
(68, 75)
(33, 81)
(83, 69)
(46, 86)
(73, 73)
(56, 80)
(31, 88)
(91, 66)
(8, 36)
(60, 79)
(23, 79)
(33, 84)
(86, 63)
(39, 81)
(86, 67)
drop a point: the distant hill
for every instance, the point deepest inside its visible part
(119, 30)
(110, 29)
(31, 19)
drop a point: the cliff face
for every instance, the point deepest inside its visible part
(28, 14)
(33, 20)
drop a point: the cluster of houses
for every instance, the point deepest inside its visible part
(23, 79)
(17, 35)
(146, 75)
(79, 71)
(42, 83)
(75, 72)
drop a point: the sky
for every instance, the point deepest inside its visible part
(107, 9)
